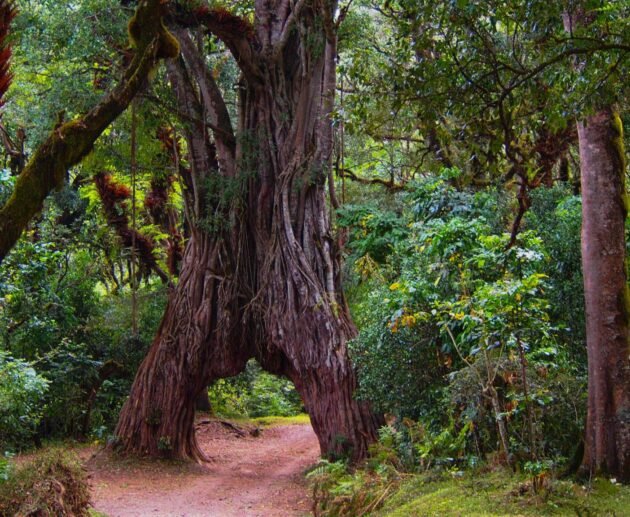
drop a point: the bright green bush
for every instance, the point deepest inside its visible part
(374, 232)
(255, 393)
(556, 216)
(54, 311)
(456, 310)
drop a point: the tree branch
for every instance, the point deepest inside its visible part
(201, 155)
(70, 142)
(388, 184)
(212, 101)
(235, 32)
(288, 26)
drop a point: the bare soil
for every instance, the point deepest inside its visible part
(247, 476)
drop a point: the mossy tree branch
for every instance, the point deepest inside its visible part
(235, 32)
(69, 142)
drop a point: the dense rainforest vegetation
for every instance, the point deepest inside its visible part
(407, 219)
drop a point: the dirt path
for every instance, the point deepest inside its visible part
(248, 476)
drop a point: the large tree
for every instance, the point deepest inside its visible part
(261, 275)
(604, 210)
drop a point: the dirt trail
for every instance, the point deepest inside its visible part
(248, 476)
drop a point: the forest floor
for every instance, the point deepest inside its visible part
(253, 472)
(257, 468)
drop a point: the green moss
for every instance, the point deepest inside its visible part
(617, 140)
(501, 493)
(275, 421)
(617, 143)
(134, 31)
(169, 46)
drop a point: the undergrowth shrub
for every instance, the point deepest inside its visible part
(53, 484)
(467, 333)
(339, 492)
(254, 393)
(21, 401)
(54, 314)
(557, 400)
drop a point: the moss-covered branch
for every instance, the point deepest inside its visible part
(236, 32)
(70, 142)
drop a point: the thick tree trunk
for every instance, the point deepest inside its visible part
(282, 284)
(300, 300)
(607, 300)
(203, 333)
(302, 307)
(344, 427)
(187, 354)
(602, 164)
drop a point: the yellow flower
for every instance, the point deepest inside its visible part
(408, 320)
(395, 286)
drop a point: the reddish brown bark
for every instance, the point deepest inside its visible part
(8, 12)
(203, 334)
(606, 296)
(278, 274)
(602, 164)
(190, 350)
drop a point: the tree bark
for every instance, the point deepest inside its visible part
(606, 296)
(604, 209)
(283, 282)
(190, 350)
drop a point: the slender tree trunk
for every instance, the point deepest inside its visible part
(500, 420)
(602, 164)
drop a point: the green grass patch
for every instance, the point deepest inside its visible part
(94, 513)
(275, 421)
(501, 493)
